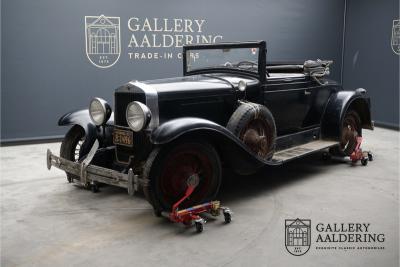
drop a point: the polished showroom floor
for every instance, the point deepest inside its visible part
(48, 222)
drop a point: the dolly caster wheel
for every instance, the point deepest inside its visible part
(326, 156)
(370, 156)
(227, 217)
(364, 161)
(199, 227)
(94, 187)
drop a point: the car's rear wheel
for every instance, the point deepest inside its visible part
(71, 147)
(351, 129)
(169, 168)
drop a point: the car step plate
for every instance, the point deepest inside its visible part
(302, 150)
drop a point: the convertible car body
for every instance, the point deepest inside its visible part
(229, 109)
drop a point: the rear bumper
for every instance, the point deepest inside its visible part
(89, 173)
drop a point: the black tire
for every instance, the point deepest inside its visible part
(71, 147)
(227, 217)
(168, 168)
(255, 126)
(364, 161)
(95, 188)
(199, 227)
(326, 156)
(348, 139)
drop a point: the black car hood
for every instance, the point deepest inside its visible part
(201, 85)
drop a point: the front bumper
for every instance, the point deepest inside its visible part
(89, 173)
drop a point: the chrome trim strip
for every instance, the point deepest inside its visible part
(151, 102)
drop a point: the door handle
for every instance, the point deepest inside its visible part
(307, 92)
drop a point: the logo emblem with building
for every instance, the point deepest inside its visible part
(103, 40)
(297, 236)
(396, 36)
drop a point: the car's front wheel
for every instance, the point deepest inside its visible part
(169, 170)
(71, 147)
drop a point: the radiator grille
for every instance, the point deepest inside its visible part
(141, 144)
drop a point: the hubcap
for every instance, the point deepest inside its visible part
(349, 133)
(257, 137)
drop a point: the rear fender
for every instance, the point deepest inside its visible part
(337, 107)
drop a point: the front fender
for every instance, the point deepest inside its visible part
(337, 107)
(82, 118)
(231, 149)
(175, 128)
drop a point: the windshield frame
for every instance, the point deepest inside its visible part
(260, 74)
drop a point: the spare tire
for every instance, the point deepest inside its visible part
(255, 126)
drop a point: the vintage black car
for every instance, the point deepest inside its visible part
(229, 109)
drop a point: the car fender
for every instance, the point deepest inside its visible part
(231, 149)
(336, 108)
(92, 132)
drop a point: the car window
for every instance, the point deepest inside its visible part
(236, 58)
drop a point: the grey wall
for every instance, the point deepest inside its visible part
(45, 71)
(369, 61)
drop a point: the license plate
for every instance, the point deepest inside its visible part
(122, 137)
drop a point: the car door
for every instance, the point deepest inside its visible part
(289, 100)
(319, 96)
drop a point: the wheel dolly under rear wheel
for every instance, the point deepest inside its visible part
(190, 216)
(357, 155)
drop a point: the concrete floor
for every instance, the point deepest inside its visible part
(48, 222)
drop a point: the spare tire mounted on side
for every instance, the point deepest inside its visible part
(255, 126)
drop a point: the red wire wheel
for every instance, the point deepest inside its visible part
(169, 168)
(257, 135)
(351, 128)
(71, 147)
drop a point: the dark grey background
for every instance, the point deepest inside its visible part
(45, 72)
(369, 61)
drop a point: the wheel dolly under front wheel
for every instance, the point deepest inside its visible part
(190, 216)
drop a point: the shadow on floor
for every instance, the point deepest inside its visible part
(236, 187)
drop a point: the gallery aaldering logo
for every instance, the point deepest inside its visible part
(297, 236)
(396, 36)
(331, 236)
(150, 39)
(103, 40)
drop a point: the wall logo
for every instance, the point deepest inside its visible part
(297, 236)
(103, 40)
(396, 36)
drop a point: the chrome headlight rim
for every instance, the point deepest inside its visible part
(242, 85)
(99, 111)
(139, 118)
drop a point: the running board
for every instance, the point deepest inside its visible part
(301, 150)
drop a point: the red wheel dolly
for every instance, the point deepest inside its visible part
(357, 155)
(360, 155)
(191, 215)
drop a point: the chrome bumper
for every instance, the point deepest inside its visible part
(91, 173)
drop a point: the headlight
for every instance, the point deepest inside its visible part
(99, 111)
(242, 85)
(138, 116)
